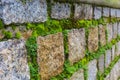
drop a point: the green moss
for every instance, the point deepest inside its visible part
(31, 46)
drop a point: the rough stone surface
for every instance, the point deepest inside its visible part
(77, 43)
(106, 12)
(118, 49)
(83, 11)
(93, 39)
(13, 61)
(79, 75)
(110, 32)
(61, 10)
(118, 13)
(113, 52)
(101, 63)
(113, 12)
(108, 58)
(115, 28)
(50, 55)
(15, 11)
(97, 12)
(118, 29)
(102, 35)
(92, 70)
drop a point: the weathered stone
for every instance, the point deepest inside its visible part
(61, 10)
(102, 33)
(106, 12)
(108, 58)
(118, 29)
(92, 70)
(77, 43)
(15, 11)
(50, 55)
(115, 28)
(118, 13)
(97, 12)
(113, 12)
(101, 63)
(83, 11)
(110, 32)
(79, 75)
(13, 60)
(113, 52)
(118, 49)
(93, 39)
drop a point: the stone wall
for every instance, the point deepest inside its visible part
(52, 40)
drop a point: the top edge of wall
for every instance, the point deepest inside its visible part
(108, 3)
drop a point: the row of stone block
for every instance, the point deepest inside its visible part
(50, 54)
(14, 11)
(114, 73)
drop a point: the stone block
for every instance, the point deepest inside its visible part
(102, 35)
(113, 52)
(108, 58)
(118, 13)
(13, 61)
(106, 12)
(118, 49)
(113, 12)
(92, 70)
(77, 43)
(118, 29)
(61, 11)
(97, 12)
(83, 11)
(115, 28)
(14, 11)
(109, 32)
(79, 75)
(50, 55)
(93, 39)
(101, 63)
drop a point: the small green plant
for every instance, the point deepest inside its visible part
(31, 46)
(18, 35)
(7, 34)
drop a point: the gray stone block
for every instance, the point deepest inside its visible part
(113, 52)
(115, 30)
(118, 13)
(118, 49)
(79, 75)
(97, 12)
(110, 32)
(113, 12)
(106, 12)
(108, 58)
(16, 12)
(118, 29)
(77, 43)
(92, 70)
(83, 11)
(61, 11)
(101, 63)
(13, 61)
